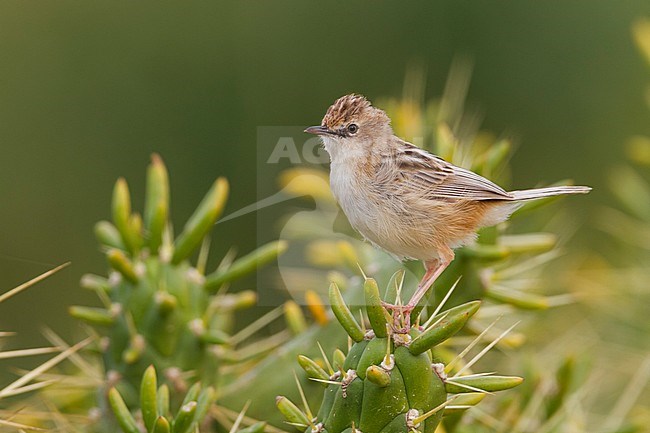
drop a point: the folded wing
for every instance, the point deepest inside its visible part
(432, 177)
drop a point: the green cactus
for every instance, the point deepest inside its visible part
(154, 404)
(391, 379)
(158, 308)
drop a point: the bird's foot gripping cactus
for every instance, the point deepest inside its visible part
(392, 378)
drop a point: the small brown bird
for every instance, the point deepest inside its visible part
(403, 199)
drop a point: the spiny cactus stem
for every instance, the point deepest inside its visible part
(338, 359)
(312, 369)
(122, 413)
(376, 313)
(517, 298)
(245, 265)
(234, 301)
(166, 302)
(122, 217)
(343, 314)
(149, 398)
(204, 252)
(162, 399)
(194, 275)
(291, 412)
(367, 334)
(378, 375)
(156, 210)
(166, 250)
(401, 376)
(108, 235)
(135, 350)
(211, 336)
(444, 328)
(161, 425)
(184, 418)
(95, 283)
(485, 252)
(118, 261)
(93, 316)
(464, 402)
(201, 221)
(486, 383)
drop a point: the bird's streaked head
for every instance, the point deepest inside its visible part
(352, 125)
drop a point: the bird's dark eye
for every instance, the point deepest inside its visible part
(353, 128)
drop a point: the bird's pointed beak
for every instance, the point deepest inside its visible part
(318, 130)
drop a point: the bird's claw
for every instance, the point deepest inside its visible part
(401, 315)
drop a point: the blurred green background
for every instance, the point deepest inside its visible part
(89, 89)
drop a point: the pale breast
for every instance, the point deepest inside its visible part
(390, 222)
(348, 189)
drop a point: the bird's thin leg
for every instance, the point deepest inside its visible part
(433, 270)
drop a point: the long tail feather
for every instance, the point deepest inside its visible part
(531, 194)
